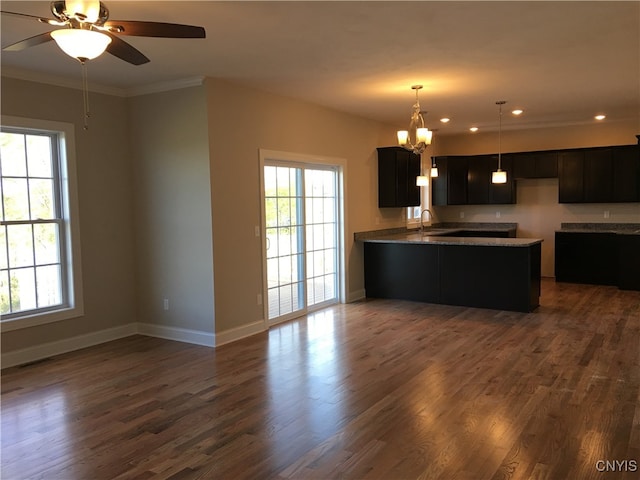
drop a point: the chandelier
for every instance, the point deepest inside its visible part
(418, 136)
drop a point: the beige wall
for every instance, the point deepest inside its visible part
(537, 210)
(243, 121)
(105, 198)
(169, 144)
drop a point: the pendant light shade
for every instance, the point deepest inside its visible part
(422, 181)
(81, 44)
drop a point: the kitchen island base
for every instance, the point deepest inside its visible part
(486, 276)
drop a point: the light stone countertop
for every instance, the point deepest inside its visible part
(442, 239)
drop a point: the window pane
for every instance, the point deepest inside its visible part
(23, 289)
(282, 175)
(284, 211)
(329, 260)
(272, 242)
(271, 212)
(270, 185)
(12, 155)
(4, 292)
(39, 156)
(20, 245)
(49, 282)
(46, 246)
(42, 201)
(15, 199)
(3, 248)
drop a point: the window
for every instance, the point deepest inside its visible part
(39, 251)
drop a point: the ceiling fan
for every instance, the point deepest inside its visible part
(88, 32)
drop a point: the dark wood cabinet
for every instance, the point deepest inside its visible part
(626, 173)
(586, 257)
(629, 262)
(585, 175)
(466, 180)
(598, 176)
(397, 172)
(571, 176)
(535, 164)
(478, 179)
(457, 181)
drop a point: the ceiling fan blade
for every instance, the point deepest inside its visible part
(29, 42)
(155, 29)
(121, 49)
(50, 21)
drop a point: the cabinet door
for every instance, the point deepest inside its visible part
(586, 258)
(457, 181)
(524, 165)
(598, 176)
(546, 165)
(571, 177)
(626, 173)
(439, 183)
(478, 179)
(397, 172)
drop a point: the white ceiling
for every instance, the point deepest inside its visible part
(562, 62)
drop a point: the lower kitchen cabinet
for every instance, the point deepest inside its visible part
(629, 262)
(587, 257)
(598, 258)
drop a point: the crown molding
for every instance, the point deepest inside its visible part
(57, 81)
(76, 83)
(165, 86)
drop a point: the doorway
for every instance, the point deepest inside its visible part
(302, 212)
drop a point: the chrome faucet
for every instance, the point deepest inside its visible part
(421, 216)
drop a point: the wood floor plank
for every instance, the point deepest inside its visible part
(377, 389)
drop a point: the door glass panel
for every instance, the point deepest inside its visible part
(301, 245)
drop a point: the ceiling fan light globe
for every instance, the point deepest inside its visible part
(81, 44)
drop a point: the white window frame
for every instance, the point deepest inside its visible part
(74, 306)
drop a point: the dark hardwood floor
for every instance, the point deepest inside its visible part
(376, 389)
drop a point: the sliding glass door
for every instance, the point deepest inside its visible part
(301, 219)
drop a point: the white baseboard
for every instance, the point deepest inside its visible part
(197, 337)
(186, 335)
(355, 296)
(45, 350)
(244, 331)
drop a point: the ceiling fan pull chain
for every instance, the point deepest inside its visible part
(85, 95)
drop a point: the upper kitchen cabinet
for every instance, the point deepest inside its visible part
(397, 172)
(626, 173)
(534, 164)
(466, 180)
(599, 175)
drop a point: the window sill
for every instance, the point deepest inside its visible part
(40, 319)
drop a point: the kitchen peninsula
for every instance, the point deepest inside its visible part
(454, 266)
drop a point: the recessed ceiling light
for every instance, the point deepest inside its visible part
(600, 117)
(445, 120)
(474, 129)
(517, 111)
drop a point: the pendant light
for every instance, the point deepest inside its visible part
(418, 137)
(499, 176)
(434, 168)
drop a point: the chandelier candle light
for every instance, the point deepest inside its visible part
(499, 176)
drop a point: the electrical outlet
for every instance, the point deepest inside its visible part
(259, 299)
(497, 214)
(257, 231)
(606, 214)
(165, 304)
(461, 214)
